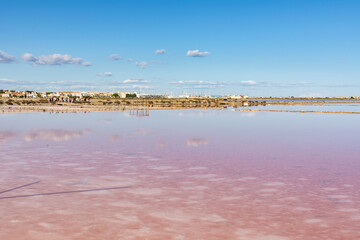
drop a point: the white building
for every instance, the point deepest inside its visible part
(30, 95)
(78, 94)
(237, 96)
(122, 94)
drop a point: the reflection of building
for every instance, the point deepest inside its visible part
(140, 113)
(145, 95)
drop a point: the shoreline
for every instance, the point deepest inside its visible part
(294, 111)
(145, 105)
(74, 109)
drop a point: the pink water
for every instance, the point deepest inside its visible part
(188, 175)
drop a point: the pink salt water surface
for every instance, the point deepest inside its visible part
(189, 175)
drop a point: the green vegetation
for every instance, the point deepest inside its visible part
(116, 95)
(130, 95)
(9, 102)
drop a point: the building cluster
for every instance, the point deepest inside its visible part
(62, 94)
(237, 96)
(70, 96)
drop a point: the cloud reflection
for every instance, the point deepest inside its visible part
(160, 144)
(106, 121)
(115, 138)
(55, 135)
(141, 131)
(196, 142)
(6, 136)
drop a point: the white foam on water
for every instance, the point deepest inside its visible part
(268, 190)
(161, 167)
(339, 196)
(198, 188)
(254, 234)
(197, 168)
(302, 209)
(330, 189)
(247, 178)
(313, 220)
(274, 184)
(348, 210)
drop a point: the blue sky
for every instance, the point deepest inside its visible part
(253, 47)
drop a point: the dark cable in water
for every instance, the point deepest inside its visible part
(26, 185)
(64, 192)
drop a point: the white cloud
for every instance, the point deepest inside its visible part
(160, 51)
(194, 82)
(5, 80)
(54, 59)
(130, 80)
(6, 58)
(249, 83)
(86, 64)
(29, 57)
(105, 74)
(130, 59)
(114, 57)
(140, 87)
(196, 53)
(135, 81)
(141, 65)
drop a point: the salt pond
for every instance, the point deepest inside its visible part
(189, 174)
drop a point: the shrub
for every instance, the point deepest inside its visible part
(129, 95)
(43, 101)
